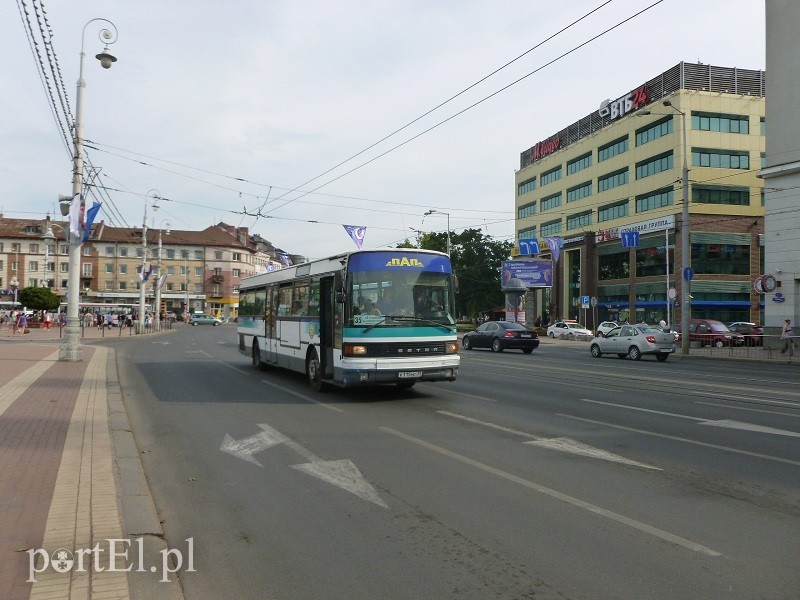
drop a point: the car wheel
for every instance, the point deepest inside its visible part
(497, 346)
(466, 344)
(314, 372)
(215, 323)
(662, 357)
(194, 323)
(527, 350)
(551, 335)
(404, 385)
(634, 353)
(719, 344)
(596, 351)
(622, 355)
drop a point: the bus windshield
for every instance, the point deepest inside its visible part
(416, 295)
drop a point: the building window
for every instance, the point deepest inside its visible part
(123, 269)
(34, 248)
(723, 159)
(185, 254)
(235, 289)
(712, 194)
(721, 259)
(171, 253)
(611, 149)
(86, 269)
(526, 234)
(579, 191)
(33, 282)
(526, 210)
(578, 220)
(651, 166)
(217, 254)
(123, 252)
(580, 163)
(614, 266)
(237, 257)
(526, 186)
(65, 249)
(109, 268)
(64, 267)
(198, 288)
(198, 255)
(763, 126)
(139, 252)
(654, 131)
(218, 271)
(123, 285)
(109, 250)
(720, 122)
(654, 200)
(550, 228)
(763, 160)
(550, 176)
(609, 212)
(108, 286)
(198, 271)
(16, 247)
(237, 273)
(170, 270)
(169, 287)
(612, 180)
(550, 202)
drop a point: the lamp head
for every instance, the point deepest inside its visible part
(106, 58)
(49, 235)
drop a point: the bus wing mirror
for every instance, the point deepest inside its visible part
(341, 297)
(338, 282)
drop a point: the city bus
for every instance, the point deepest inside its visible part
(356, 319)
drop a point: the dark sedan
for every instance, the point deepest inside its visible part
(753, 334)
(501, 335)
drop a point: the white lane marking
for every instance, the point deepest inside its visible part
(728, 423)
(561, 444)
(794, 415)
(680, 439)
(638, 525)
(246, 447)
(341, 473)
(581, 449)
(731, 424)
(456, 393)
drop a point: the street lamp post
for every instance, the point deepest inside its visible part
(686, 258)
(439, 212)
(14, 283)
(140, 325)
(159, 278)
(70, 349)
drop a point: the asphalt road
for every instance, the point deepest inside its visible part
(551, 475)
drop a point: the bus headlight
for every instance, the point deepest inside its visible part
(354, 350)
(451, 348)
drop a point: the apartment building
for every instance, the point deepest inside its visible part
(619, 170)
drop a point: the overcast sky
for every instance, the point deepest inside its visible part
(277, 92)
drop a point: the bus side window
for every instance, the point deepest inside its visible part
(284, 301)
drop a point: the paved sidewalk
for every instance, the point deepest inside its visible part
(63, 486)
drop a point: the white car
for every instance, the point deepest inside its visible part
(606, 326)
(568, 330)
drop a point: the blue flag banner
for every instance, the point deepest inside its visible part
(284, 258)
(145, 274)
(356, 233)
(90, 216)
(554, 243)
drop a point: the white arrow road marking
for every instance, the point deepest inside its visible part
(245, 448)
(731, 424)
(581, 449)
(577, 502)
(341, 473)
(561, 444)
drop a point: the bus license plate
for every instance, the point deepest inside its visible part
(409, 374)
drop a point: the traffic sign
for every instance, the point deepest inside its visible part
(528, 246)
(688, 273)
(594, 301)
(585, 301)
(672, 293)
(630, 239)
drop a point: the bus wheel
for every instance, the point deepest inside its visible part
(256, 355)
(314, 371)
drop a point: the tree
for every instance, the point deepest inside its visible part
(39, 298)
(477, 260)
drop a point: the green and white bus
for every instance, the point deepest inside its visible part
(362, 318)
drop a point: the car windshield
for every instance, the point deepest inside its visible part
(574, 325)
(718, 327)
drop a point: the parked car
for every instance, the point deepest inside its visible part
(501, 335)
(634, 341)
(753, 334)
(568, 329)
(606, 326)
(713, 333)
(201, 319)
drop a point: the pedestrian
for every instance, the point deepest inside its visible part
(662, 323)
(22, 323)
(786, 336)
(48, 318)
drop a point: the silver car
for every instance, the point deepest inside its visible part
(633, 341)
(200, 319)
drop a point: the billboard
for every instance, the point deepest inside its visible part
(532, 272)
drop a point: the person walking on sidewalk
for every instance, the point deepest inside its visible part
(22, 323)
(786, 336)
(48, 318)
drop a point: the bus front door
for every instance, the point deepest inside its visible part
(326, 317)
(271, 329)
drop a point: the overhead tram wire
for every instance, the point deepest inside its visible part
(471, 106)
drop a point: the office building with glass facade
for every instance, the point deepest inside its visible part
(619, 170)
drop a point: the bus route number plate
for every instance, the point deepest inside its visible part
(409, 374)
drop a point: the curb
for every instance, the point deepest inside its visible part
(137, 508)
